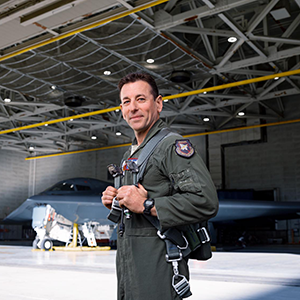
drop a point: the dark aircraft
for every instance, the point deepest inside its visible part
(231, 210)
(54, 211)
(78, 201)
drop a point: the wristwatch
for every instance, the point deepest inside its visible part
(148, 204)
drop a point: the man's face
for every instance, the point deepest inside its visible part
(139, 108)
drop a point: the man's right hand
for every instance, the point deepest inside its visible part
(108, 195)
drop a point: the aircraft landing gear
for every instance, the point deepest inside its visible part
(46, 244)
(35, 243)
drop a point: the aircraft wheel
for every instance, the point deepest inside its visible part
(46, 244)
(34, 244)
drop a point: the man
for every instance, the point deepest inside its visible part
(178, 185)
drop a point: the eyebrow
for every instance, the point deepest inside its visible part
(139, 95)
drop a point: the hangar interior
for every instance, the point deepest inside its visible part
(60, 63)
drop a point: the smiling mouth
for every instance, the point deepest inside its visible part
(136, 117)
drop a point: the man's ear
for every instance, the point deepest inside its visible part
(159, 103)
(121, 106)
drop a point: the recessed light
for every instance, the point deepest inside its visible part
(232, 39)
(150, 60)
(279, 14)
(107, 73)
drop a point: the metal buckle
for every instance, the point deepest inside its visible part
(182, 286)
(168, 259)
(115, 205)
(203, 235)
(162, 236)
(186, 243)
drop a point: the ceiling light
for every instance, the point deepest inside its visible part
(166, 100)
(150, 60)
(117, 110)
(276, 78)
(232, 39)
(241, 113)
(31, 148)
(46, 124)
(206, 119)
(118, 133)
(279, 14)
(7, 100)
(53, 87)
(107, 73)
(204, 93)
(93, 137)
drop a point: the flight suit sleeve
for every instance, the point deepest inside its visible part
(194, 198)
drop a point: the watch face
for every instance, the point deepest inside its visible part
(148, 202)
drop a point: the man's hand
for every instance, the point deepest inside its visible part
(108, 195)
(132, 197)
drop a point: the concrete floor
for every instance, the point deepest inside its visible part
(37, 275)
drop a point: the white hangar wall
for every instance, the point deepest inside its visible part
(267, 165)
(14, 172)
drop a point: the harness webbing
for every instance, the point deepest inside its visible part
(177, 246)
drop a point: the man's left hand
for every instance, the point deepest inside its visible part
(132, 197)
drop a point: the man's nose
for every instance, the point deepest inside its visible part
(133, 106)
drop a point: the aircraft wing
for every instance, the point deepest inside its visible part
(78, 209)
(230, 210)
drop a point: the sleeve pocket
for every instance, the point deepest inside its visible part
(186, 181)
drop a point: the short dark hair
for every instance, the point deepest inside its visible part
(133, 77)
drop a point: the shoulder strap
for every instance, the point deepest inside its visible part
(149, 149)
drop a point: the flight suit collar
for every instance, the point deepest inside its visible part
(157, 126)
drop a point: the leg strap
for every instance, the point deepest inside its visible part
(179, 282)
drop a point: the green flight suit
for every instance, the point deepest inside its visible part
(184, 193)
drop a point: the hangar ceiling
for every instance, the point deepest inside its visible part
(64, 58)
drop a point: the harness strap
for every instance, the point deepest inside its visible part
(177, 247)
(149, 149)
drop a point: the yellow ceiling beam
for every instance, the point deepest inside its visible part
(97, 112)
(87, 27)
(234, 84)
(210, 89)
(186, 136)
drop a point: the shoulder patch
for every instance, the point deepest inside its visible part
(184, 148)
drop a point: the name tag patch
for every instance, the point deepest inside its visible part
(125, 167)
(184, 148)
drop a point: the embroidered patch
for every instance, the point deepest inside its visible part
(184, 148)
(125, 167)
